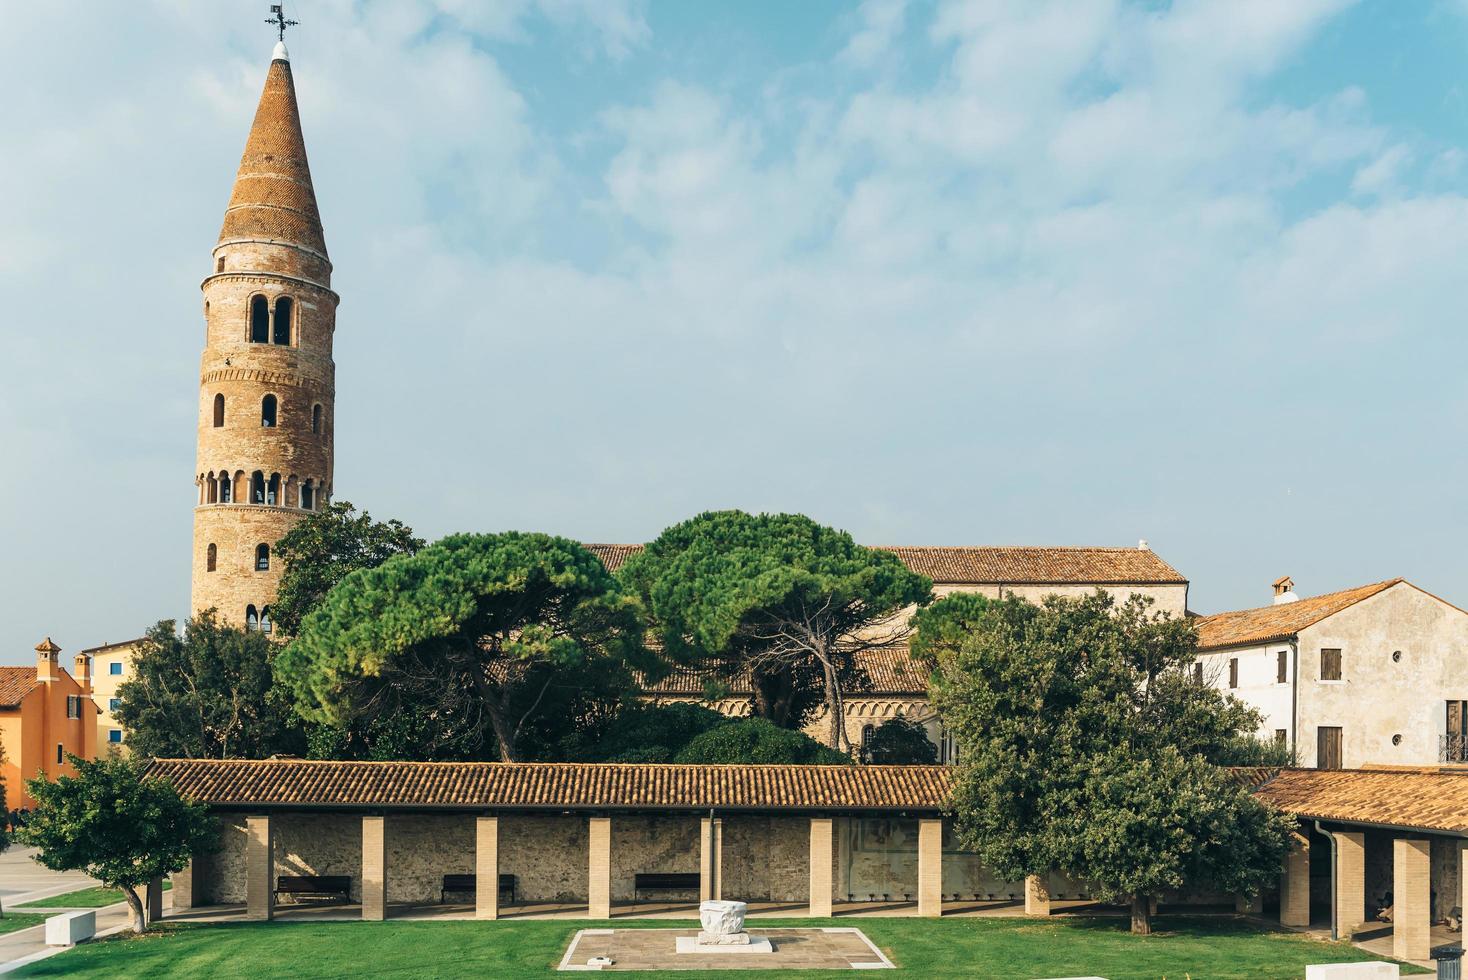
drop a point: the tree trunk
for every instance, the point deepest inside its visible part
(135, 904)
(833, 705)
(503, 733)
(1141, 915)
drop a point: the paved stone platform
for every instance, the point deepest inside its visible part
(656, 949)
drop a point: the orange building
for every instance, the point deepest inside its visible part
(45, 714)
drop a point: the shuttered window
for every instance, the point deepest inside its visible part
(1330, 665)
(1282, 668)
(1233, 672)
(1327, 748)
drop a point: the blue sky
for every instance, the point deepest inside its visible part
(937, 273)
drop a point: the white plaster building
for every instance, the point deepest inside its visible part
(1375, 675)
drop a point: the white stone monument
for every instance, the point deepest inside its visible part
(723, 931)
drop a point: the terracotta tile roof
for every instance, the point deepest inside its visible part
(1417, 799)
(15, 684)
(552, 785)
(273, 198)
(891, 670)
(1270, 623)
(1011, 566)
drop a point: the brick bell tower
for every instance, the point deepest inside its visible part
(267, 382)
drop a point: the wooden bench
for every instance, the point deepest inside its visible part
(663, 881)
(470, 884)
(315, 885)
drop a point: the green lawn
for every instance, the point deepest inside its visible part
(985, 947)
(19, 920)
(84, 898)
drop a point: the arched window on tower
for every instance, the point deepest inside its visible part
(272, 491)
(265, 619)
(259, 320)
(252, 621)
(268, 411)
(283, 308)
(218, 411)
(226, 487)
(257, 487)
(262, 557)
(308, 496)
(316, 418)
(864, 753)
(211, 558)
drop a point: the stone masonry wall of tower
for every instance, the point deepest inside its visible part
(267, 381)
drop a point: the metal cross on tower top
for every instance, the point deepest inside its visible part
(277, 18)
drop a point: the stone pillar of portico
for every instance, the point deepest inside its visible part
(822, 840)
(259, 868)
(155, 900)
(1294, 884)
(1350, 882)
(599, 871)
(1037, 895)
(710, 859)
(1411, 898)
(487, 868)
(930, 867)
(1463, 876)
(374, 868)
(185, 884)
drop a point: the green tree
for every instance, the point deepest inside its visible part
(1084, 746)
(485, 629)
(899, 742)
(776, 596)
(326, 547)
(750, 741)
(116, 824)
(208, 694)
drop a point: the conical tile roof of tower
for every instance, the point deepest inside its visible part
(273, 199)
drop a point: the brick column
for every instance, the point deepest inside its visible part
(821, 841)
(259, 869)
(154, 903)
(1294, 883)
(1037, 896)
(930, 867)
(599, 872)
(185, 884)
(710, 859)
(374, 868)
(1462, 876)
(1350, 882)
(487, 868)
(1411, 898)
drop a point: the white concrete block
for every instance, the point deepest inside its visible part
(1353, 971)
(70, 928)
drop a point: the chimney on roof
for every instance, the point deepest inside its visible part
(48, 665)
(1284, 590)
(1143, 546)
(83, 675)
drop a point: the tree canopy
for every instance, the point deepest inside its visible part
(208, 694)
(749, 741)
(486, 631)
(899, 742)
(1085, 747)
(114, 823)
(324, 548)
(779, 598)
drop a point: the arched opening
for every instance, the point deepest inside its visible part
(864, 753)
(225, 488)
(211, 558)
(262, 557)
(272, 490)
(308, 496)
(316, 418)
(259, 320)
(265, 619)
(283, 308)
(268, 407)
(252, 621)
(257, 487)
(218, 411)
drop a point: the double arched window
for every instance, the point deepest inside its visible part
(259, 320)
(265, 619)
(266, 328)
(283, 321)
(252, 618)
(268, 411)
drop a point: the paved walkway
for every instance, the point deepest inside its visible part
(23, 880)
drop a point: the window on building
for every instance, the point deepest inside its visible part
(218, 411)
(265, 619)
(211, 558)
(1282, 666)
(1330, 665)
(114, 735)
(272, 490)
(259, 320)
(115, 668)
(947, 747)
(262, 558)
(60, 753)
(257, 487)
(1198, 673)
(114, 703)
(1233, 672)
(268, 411)
(219, 266)
(864, 752)
(283, 308)
(226, 488)
(1455, 740)
(1328, 747)
(73, 706)
(308, 495)
(316, 418)
(252, 619)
